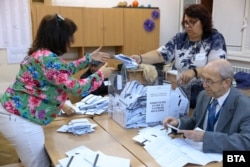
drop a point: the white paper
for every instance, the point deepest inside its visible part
(127, 61)
(157, 102)
(84, 157)
(174, 152)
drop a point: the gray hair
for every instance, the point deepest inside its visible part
(225, 68)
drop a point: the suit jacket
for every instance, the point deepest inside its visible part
(233, 125)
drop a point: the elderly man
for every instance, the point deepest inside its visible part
(222, 112)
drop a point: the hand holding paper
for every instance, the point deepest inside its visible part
(127, 61)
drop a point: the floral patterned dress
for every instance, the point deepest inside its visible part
(43, 83)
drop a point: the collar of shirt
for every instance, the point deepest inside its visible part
(222, 99)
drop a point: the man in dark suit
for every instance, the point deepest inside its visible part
(228, 128)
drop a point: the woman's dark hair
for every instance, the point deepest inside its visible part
(199, 11)
(55, 33)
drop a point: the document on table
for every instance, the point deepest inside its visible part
(174, 152)
(85, 157)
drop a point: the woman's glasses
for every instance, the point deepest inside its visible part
(190, 23)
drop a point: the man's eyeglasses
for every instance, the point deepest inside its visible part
(190, 23)
(210, 82)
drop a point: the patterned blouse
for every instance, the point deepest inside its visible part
(42, 84)
(188, 55)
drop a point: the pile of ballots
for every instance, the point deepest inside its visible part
(133, 108)
(91, 105)
(78, 127)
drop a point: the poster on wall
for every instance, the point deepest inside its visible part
(15, 29)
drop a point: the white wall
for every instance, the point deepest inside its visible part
(7, 71)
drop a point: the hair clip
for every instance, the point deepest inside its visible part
(59, 19)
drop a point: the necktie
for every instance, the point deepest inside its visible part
(211, 115)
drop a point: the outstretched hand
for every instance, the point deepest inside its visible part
(100, 56)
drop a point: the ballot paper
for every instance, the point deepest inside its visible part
(173, 152)
(92, 105)
(127, 61)
(142, 106)
(84, 157)
(78, 127)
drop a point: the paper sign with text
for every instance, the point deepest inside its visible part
(157, 102)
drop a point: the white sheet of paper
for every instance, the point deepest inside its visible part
(157, 102)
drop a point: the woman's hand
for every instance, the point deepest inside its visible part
(100, 56)
(68, 110)
(106, 70)
(137, 58)
(186, 76)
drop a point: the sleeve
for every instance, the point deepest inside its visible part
(79, 64)
(218, 47)
(168, 50)
(60, 74)
(193, 121)
(236, 135)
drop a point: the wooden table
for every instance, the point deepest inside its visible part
(57, 143)
(124, 137)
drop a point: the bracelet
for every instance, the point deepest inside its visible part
(195, 72)
(140, 58)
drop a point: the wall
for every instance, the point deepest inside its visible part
(169, 25)
(7, 71)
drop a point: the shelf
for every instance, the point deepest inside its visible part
(42, 2)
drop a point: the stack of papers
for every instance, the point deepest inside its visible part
(127, 61)
(133, 102)
(78, 127)
(137, 102)
(84, 157)
(91, 105)
(175, 152)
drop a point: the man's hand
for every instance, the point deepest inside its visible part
(170, 120)
(195, 135)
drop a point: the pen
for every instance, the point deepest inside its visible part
(96, 159)
(71, 158)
